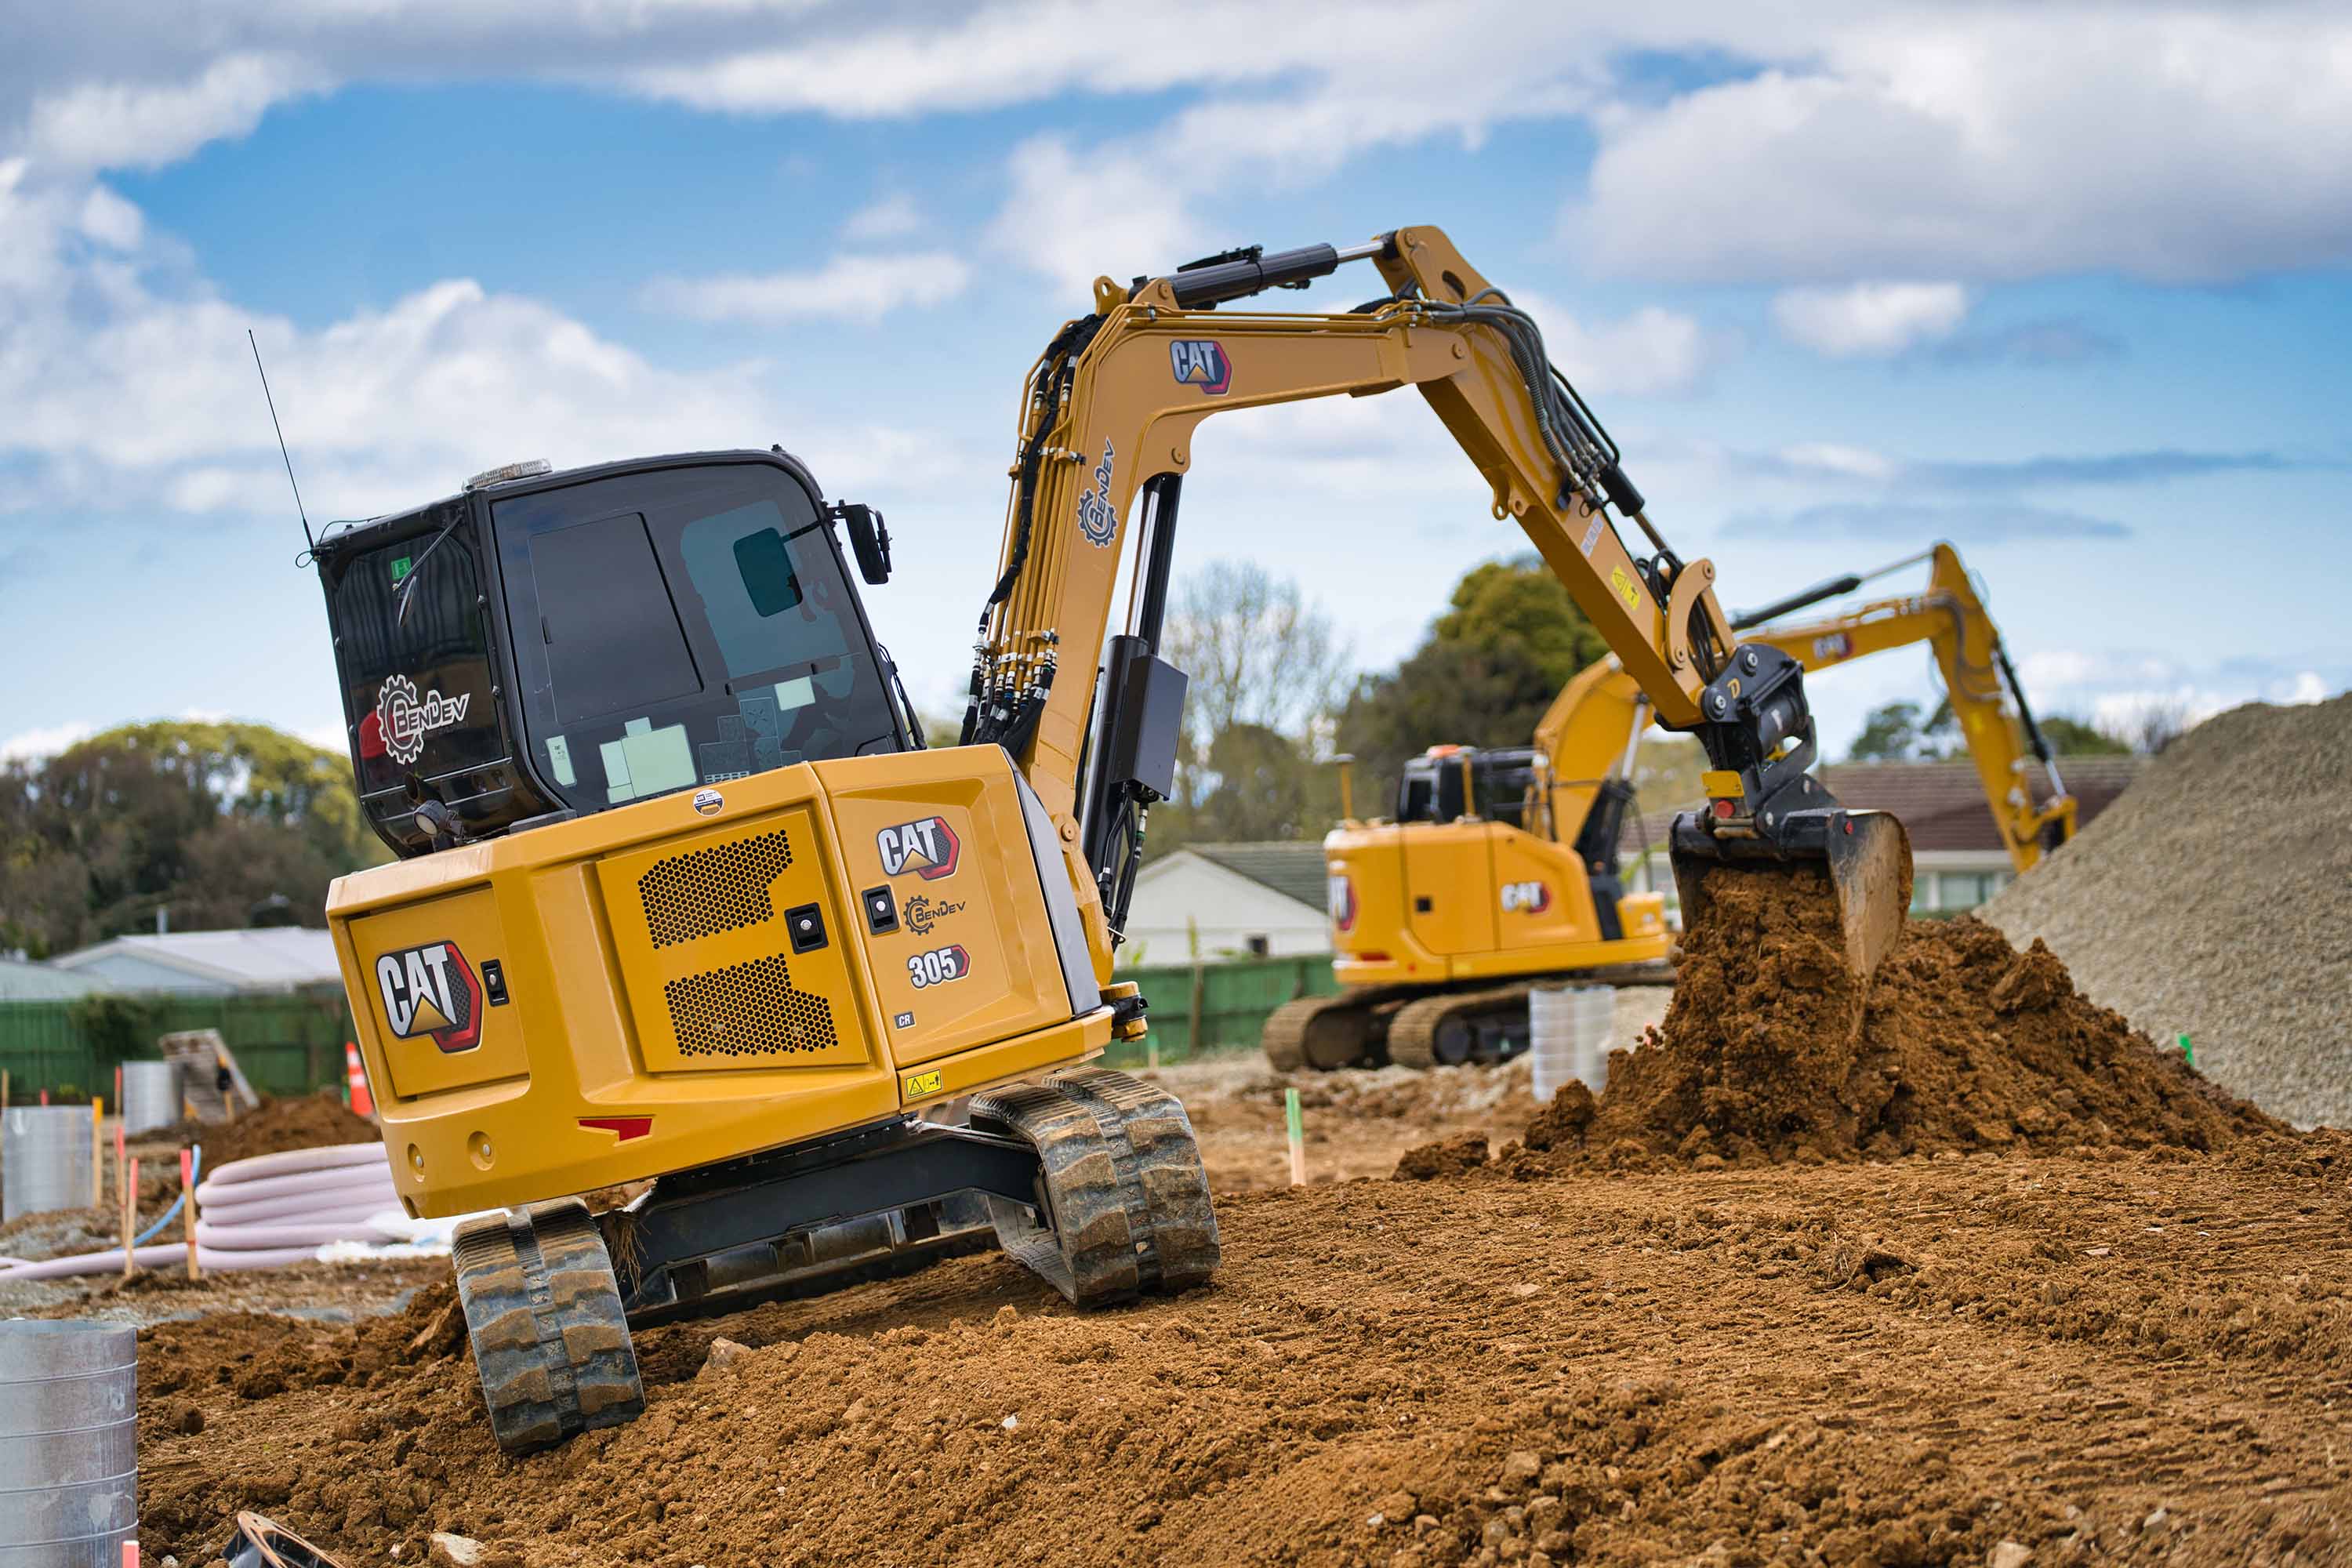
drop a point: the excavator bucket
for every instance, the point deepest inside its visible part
(1865, 854)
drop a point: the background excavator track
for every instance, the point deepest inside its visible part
(1433, 1029)
(1329, 1032)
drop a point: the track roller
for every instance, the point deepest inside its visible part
(1127, 1200)
(543, 1312)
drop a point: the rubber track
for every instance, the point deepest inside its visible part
(1167, 1191)
(551, 1343)
(1284, 1035)
(1413, 1033)
(1284, 1039)
(1123, 1181)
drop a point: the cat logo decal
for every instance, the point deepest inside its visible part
(430, 992)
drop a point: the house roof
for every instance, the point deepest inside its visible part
(1293, 868)
(23, 981)
(1941, 804)
(271, 959)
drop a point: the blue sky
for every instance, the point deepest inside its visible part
(2064, 284)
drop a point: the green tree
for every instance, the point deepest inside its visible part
(204, 819)
(2071, 737)
(1518, 612)
(1493, 662)
(1890, 734)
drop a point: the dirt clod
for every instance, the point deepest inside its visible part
(1447, 1157)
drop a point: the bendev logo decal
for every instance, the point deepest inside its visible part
(928, 848)
(1097, 518)
(1526, 897)
(1202, 363)
(403, 719)
(430, 992)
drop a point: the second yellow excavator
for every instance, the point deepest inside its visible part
(1500, 867)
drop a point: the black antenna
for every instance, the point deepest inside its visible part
(282, 452)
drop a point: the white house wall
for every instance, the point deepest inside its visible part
(1229, 908)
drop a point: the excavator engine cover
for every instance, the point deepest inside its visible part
(1866, 854)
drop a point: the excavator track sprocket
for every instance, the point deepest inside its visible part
(1444, 1029)
(1126, 1199)
(550, 1342)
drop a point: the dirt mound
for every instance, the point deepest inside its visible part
(2214, 896)
(299, 1121)
(1911, 1363)
(1964, 1044)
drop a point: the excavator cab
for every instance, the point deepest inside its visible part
(1500, 784)
(669, 622)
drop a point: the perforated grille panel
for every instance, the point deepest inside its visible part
(747, 1010)
(706, 891)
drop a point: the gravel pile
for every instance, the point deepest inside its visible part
(2215, 897)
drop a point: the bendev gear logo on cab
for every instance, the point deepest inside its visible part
(928, 848)
(403, 720)
(430, 992)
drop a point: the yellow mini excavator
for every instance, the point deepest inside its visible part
(679, 896)
(1500, 867)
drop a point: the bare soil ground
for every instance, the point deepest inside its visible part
(2116, 1357)
(1988, 1280)
(1359, 1123)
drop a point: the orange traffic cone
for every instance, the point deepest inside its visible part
(355, 1085)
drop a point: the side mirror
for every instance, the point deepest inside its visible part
(869, 540)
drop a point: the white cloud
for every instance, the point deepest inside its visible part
(1071, 217)
(130, 125)
(1992, 142)
(855, 287)
(30, 745)
(1836, 140)
(892, 217)
(1870, 319)
(2118, 689)
(127, 386)
(1653, 350)
(1844, 461)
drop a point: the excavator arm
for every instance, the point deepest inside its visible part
(1950, 617)
(1108, 417)
(1588, 734)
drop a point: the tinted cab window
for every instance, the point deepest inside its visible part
(418, 685)
(681, 626)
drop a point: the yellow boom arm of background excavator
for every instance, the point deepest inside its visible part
(1951, 618)
(1590, 728)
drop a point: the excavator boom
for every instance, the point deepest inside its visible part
(1107, 423)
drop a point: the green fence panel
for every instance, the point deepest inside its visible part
(1232, 1001)
(291, 1043)
(288, 1042)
